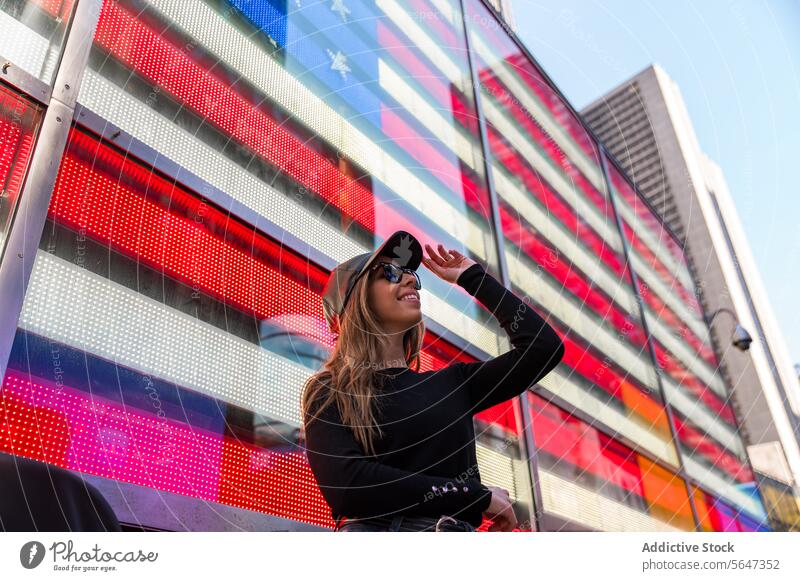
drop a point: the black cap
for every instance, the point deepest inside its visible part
(401, 245)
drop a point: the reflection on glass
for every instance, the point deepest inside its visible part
(705, 426)
(562, 244)
(592, 479)
(340, 125)
(33, 34)
(718, 516)
(19, 124)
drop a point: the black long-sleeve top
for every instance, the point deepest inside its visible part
(426, 462)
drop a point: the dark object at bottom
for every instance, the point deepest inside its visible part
(35, 496)
(403, 523)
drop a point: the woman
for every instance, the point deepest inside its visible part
(393, 448)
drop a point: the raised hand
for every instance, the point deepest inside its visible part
(446, 264)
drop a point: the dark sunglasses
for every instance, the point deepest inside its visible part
(394, 273)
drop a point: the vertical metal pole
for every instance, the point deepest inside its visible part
(650, 346)
(521, 407)
(27, 225)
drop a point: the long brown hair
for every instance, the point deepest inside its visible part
(348, 378)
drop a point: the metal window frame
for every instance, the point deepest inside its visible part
(650, 347)
(521, 404)
(607, 430)
(27, 223)
(718, 352)
(542, 518)
(690, 480)
(24, 82)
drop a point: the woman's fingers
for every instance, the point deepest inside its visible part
(444, 257)
(446, 254)
(432, 266)
(457, 254)
(441, 254)
(434, 256)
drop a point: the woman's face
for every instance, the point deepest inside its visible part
(395, 313)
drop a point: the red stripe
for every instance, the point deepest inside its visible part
(692, 384)
(532, 128)
(445, 166)
(56, 8)
(62, 426)
(718, 456)
(16, 142)
(539, 189)
(430, 17)
(563, 271)
(149, 54)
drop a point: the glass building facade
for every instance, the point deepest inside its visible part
(221, 157)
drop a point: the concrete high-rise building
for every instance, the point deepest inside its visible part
(645, 125)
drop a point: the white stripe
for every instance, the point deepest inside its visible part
(445, 10)
(497, 470)
(721, 487)
(26, 49)
(568, 500)
(545, 225)
(78, 308)
(422, 41)
(636, 363)
(441, 125)
(703, 418)
(458, 322)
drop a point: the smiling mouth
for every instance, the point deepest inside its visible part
(409, 299)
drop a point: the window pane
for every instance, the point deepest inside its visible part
(712, 448)
(719, 516)
(589, 478)
(563, 246)
(19, 125)
(33, 34)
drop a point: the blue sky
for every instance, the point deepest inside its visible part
(737, 63)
